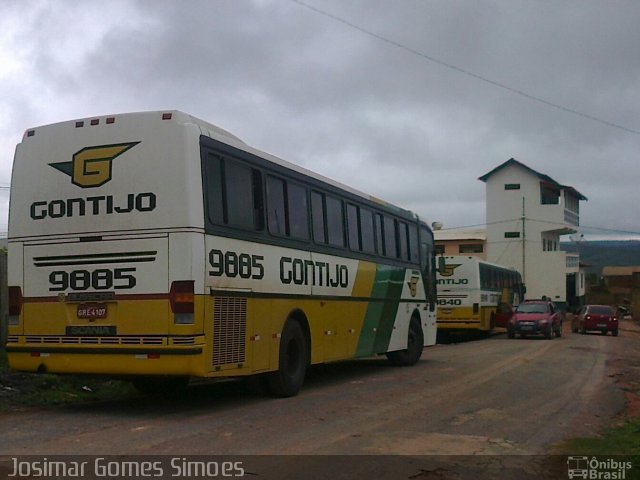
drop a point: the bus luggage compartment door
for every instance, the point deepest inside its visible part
(116, 287)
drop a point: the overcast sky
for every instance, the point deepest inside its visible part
(408, 100)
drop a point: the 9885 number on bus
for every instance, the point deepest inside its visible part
(100, 279)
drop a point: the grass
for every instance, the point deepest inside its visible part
(622, 440)
(21, 390)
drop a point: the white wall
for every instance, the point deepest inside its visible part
(544, 272)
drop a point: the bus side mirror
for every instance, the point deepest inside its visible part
(442, 265)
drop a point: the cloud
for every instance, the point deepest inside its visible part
(386, 116)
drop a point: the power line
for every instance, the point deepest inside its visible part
(480, 224)
(466, 72)
(589, 227)
(581, 227)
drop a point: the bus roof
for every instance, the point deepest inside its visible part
(217, 133)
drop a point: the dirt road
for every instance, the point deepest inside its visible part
(492, 396)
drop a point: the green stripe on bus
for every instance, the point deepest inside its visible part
(379, 319)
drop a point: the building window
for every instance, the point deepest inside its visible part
(549, 195)
(439, 248)
(512, 186)
(511, 234)
(471, 248)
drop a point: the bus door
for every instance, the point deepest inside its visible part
(427, 267)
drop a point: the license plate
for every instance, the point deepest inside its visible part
(92, 311)
(602, 325)
(526, 327)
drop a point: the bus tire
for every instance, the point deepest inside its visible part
(293, 360)
(415, 345)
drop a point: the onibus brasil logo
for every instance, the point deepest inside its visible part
(92, 166)
(596, 469)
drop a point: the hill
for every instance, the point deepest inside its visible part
(601, 253)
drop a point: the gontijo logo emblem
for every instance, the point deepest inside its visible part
(92, 166)
(449, 269)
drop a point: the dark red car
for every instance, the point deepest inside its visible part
(596, 317)
(535, 317)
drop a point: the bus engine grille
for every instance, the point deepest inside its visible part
(229, 330)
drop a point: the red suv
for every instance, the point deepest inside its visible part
(535, 317)
(596, 317)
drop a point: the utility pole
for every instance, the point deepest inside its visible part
(524, 256)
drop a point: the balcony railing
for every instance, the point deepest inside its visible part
(571, 217)
(573, 261)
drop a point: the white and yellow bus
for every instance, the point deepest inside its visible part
(475, 295)
(158, 246)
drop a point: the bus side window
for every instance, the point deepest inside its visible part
(214, 190)
(379, 237)
(390, 242)
(287, 212)
(353, 230)
(335, 221)
(239, 195)
(367, 231)
(298, 213)
(403, 240)
(276, 215)
(414, 255)
(318, 218)
(234, 194)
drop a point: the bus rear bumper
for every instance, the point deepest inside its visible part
(155, 361)
(462, 324)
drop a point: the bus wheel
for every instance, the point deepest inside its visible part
(415, 345)
(161, 385)
(293, 362)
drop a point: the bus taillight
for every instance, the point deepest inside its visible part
(15, 305)
(182, 301)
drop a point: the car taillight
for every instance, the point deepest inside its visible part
(15, 305)
(588, 317)
(182, 301)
